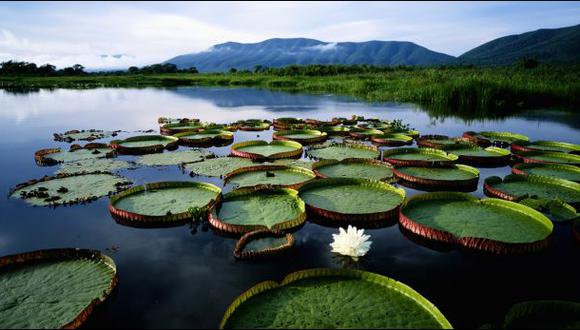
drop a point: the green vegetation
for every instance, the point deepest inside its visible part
(468, 92)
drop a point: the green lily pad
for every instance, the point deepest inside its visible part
(418, 157)
(439, 141)
(392, 139)
(82, 135)
(257, 149)
(274, 175)
(303, 136)
(495, 137)
(93, 165)
(332, 298)
(559, 171)
(553, 146)
(515, 187)
(335, 130)
(218, 167)
(343, 151)
(69, 188)
(549, 157)
(286, 123)
(166, 120)
(364, 133)
(163, 202)
(145, 144)
(170, 129)
(247, 209)
(354, 168)
(174, 158)
(254, 125)
(559, 210)
(455, 173)
(53, 288)
(262, 243)
(292, 162)
(207, 136)
(76, 153)
(491, 225)
(475, 151)
(352, 196)
(543, 314)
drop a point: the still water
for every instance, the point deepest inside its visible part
(187, 276)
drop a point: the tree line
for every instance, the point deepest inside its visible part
(12, 68)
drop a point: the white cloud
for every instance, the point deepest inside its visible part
(331, 46)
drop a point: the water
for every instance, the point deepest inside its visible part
(187, 277)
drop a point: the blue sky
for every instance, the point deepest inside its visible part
(65, 33)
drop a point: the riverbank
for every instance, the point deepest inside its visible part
(471, 92)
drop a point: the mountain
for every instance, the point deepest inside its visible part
(546, 45)
(283, 52)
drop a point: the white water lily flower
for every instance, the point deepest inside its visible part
(352, 242)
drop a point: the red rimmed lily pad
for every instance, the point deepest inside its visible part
(358, 168)
(172, 129)
(205, 137)
(258, 149)
(476, 156)
(352, 200)
(61, 287)
(488, 138)
(392, 140)
(305, 136)
(145, 144)
(489, 225)
(288, 123)
(53, 156)
(424, 157)
(278, 176)
(164, 204)
(335, 130)
(263, 243)
(558, 171)
(249, 209)
(440, 141)
(340, 151)
(364, 133)
(254, 125)
(550, 146)
(548, 157)
(458, 177)
(83, 135)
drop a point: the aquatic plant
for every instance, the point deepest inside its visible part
(351, 242)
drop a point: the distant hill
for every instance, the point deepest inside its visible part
(283, 52)
(546, 45)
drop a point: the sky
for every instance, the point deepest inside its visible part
(102, 35)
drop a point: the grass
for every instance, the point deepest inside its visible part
(465, 92)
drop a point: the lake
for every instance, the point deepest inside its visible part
(187, 276)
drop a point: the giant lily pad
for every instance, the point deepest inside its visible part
(206, 137)
(419, 157)
(548, 157)
(305, 136)
(174, 158)
(458, 177)
(263, 243)
(258, 149)
(288, 123)
(490, 225)
(335, 130)
(559, 171)
(515, 187)
(93, 165)
(166, 120)
(352, 200)
(439, 141)
(53, 288)
(163, 204)
(218, 167)
(342, 151)
(364, 133)
(552, 146)
(354, 168)
(477, 156)
(272, 175)
(502, 139)
(171, 129)
(69, 188)
(145, 144)
(333, 298)
(254, 125)
(543, 314)
(392, 139)
(248, 209)
(46, 157)
(293, 162)
(82, 135)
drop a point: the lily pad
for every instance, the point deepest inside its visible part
(487, 138)
(53, 288)
(174, 158)
(272, 175)
(477, 156)
(258, 149)
(166, 120)
(559, 171)
(263, 243)
(354, 168)
(171, 129)
(490, 225)
(82, 135)
(335, 130)
(305, 136)
(288, 123)
(254, 125)
(93, 165)
(410, 132)
(218, 167)
(514, 187)
(392, 139)
(47, 157)
(364, 133)
(458, 177)
(548, 157)
(439, 141)
(206, 137)
(248, 209)
(342, 151)
(543, 314)
(332, 298)
(292, 162)
(552, 146)
(163, 204)
(424, 157)
(352, 200)
(145, 144)
(69, 188)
